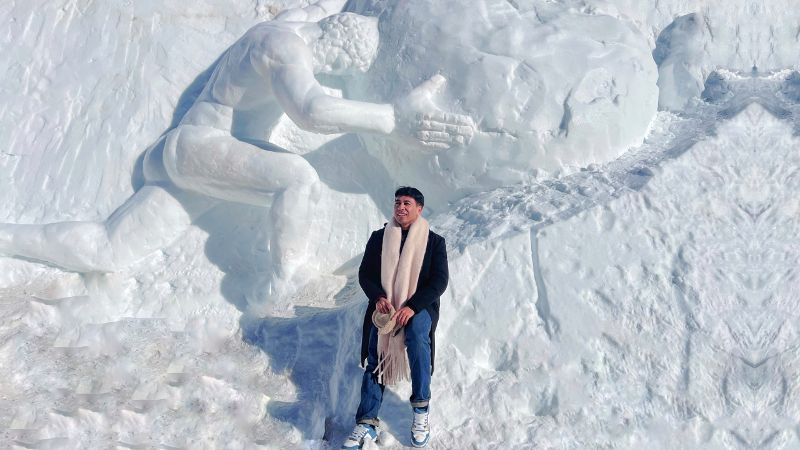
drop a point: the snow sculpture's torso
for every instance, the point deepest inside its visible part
(239, 91)
(552, 87)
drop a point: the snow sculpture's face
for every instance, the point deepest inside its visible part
(348, 45)
(551, 87)
(406, 211)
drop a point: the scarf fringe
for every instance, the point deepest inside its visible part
(392, 368)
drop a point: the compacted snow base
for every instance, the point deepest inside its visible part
(647, 302)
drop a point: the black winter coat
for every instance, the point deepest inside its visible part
(432, 283)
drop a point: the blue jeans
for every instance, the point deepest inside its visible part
(418, 342)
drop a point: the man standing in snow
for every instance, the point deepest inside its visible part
(403, 273)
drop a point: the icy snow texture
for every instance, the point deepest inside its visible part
(644, 303)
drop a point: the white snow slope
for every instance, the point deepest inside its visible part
(647, 302)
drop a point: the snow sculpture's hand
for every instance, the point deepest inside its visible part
(418, 117)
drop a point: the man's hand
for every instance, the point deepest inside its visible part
(403, 315)
(383, 306)
(417, 116)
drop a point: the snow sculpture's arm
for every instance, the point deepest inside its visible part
(291, 74)
(307, 104)
(312, 13)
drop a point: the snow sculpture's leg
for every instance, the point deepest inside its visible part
(150, 219)
(78, 246)
(212, 162)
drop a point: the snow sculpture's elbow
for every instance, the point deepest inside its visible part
(680, 55)
(316, 116)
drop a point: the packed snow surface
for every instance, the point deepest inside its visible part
(640, 295)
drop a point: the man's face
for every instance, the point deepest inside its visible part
(406, 211)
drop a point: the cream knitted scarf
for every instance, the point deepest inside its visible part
(399, 277)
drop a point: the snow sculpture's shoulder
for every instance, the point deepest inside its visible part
(276, 40)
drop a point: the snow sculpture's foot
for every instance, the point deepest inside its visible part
(319, 291)
(6, 240)
(306, 287)
(24, 278)
(271, 297)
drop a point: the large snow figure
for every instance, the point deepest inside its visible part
(554, 86)
(220, 150)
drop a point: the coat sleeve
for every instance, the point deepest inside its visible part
(435, 285)
(369, 273)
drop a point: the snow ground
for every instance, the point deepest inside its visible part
(648, 302)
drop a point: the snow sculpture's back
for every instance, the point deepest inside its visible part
(554, 87)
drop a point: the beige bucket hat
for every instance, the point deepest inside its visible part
(384, 322)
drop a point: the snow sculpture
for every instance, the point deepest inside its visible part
(553, 86)
(220, 150)
(680, 55)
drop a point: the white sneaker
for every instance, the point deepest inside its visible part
(356, 439)
(420, 429)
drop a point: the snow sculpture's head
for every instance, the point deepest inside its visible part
(348, 45)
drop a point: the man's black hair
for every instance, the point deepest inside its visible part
(408, 191)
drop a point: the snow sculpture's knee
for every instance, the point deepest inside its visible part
(303, 172)
(304, 178)
(171, 160)
(680, 55)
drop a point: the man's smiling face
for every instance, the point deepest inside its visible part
(406, 211)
